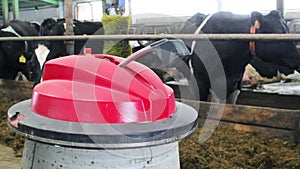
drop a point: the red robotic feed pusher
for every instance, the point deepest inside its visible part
(94, 89)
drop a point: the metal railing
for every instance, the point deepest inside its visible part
(226, 37)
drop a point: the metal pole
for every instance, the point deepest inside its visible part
(69, 26)
(220, 5)
(129, 7)
(280, 6)
(15, 4)
(225, 37)
(5, 11)
(103, 6)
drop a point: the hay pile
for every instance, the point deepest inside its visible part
(7, 136)
(228, 148)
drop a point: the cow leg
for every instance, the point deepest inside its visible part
(21, 77)
(203, 90)
(232, 98)
(215, 98)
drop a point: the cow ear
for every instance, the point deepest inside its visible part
(256, 16)
(275, 13)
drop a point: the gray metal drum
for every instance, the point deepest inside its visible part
(39, 155)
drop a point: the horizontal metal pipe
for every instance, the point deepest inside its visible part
(240, 37)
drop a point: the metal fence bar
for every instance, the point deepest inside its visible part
(240, 37)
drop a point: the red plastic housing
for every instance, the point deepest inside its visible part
(94, 89)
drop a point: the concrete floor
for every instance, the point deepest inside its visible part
(8, 160)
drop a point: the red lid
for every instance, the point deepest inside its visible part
(96, 90)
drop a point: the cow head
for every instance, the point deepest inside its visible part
(47, 50)
(47, 25)
(16, 54)
(14, 58)
(36, 64)
(281, 53)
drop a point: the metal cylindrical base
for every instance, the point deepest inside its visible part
(41, 155)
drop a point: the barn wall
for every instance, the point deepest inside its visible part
(41, 14)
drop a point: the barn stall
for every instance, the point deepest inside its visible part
(256, 133)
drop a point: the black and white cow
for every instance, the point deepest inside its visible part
(53, 49)
(219, 65)
(36, 25)
(269, 70)
(14, 55)
(48, 24)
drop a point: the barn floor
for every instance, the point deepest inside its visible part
(8, 158)
(227, 148)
